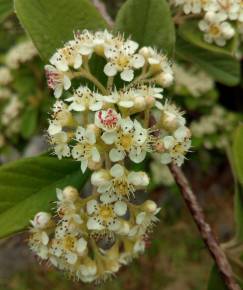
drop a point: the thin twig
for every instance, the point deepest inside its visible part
(103, 11)
(204, 229)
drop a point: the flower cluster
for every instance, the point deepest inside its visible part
(214, 130)
(16, 96)
(21, 53)
(220, 17)
(107, 126)
(191, 81)
(91, 238)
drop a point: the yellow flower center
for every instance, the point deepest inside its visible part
(123, 61)
(126, 141)
(106, 211)
(68, 242)
(214, 30)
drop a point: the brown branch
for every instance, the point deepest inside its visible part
(103, 11)
(204, 229)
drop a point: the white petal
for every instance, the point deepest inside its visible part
(71, 258)
(84, 165)
(77, 61)
(91, 206)
(116, 155)
(127, 75)
(92, 224)
(108, 198)
(137, 156)
(109, 137)
(138, 61)
(140, 218)
(168, 141)
(66, 82)
(95, 154)
(120, 208)
(81, 245)
(117, 170)
(110, 69)
(96, 106)
(44, 238)
(58, 91)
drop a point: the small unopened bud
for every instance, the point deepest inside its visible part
(164, 79)
(65, 118)
(125, 228)
(149, 101)
(94, 165)
(139, 104)
(149, 206)
(100, 177)
(168, 121)
(70, 193)
(41, 220)
(144, 51)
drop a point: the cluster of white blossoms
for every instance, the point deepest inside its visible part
(194, 81)
(10, 101)
(107, 126)
(215, 129)
(20, 53)
(220, 17)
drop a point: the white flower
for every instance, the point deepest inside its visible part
(145, 220)
(85, 150)
(41, 220)
(11, 111)
(196, 82)
(5, 76)
(84, 99)
(131, 138)
(57, 80)
(160, 66)
(216, 29)
(84, 42)
(122, 58)
(19, 54)
(107, 120)
(70, 247)
(118, 181)
(65, 57)
(59, 142)
(105, 216)
(176, 146)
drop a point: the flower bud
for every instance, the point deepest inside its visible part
(70, 193)
(149, 206)
(164, 79)
(41, 220)
(168, 121)
(65, 118)
(99, 177)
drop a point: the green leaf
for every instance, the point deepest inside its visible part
(215, 280)
(50, 23)
(149, 22)
(29, 185)
(223, 68)
(6, 8)
(238, 152)
(29, 122)
(238, 167)
(190, 32)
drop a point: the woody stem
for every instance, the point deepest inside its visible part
(204, 228)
